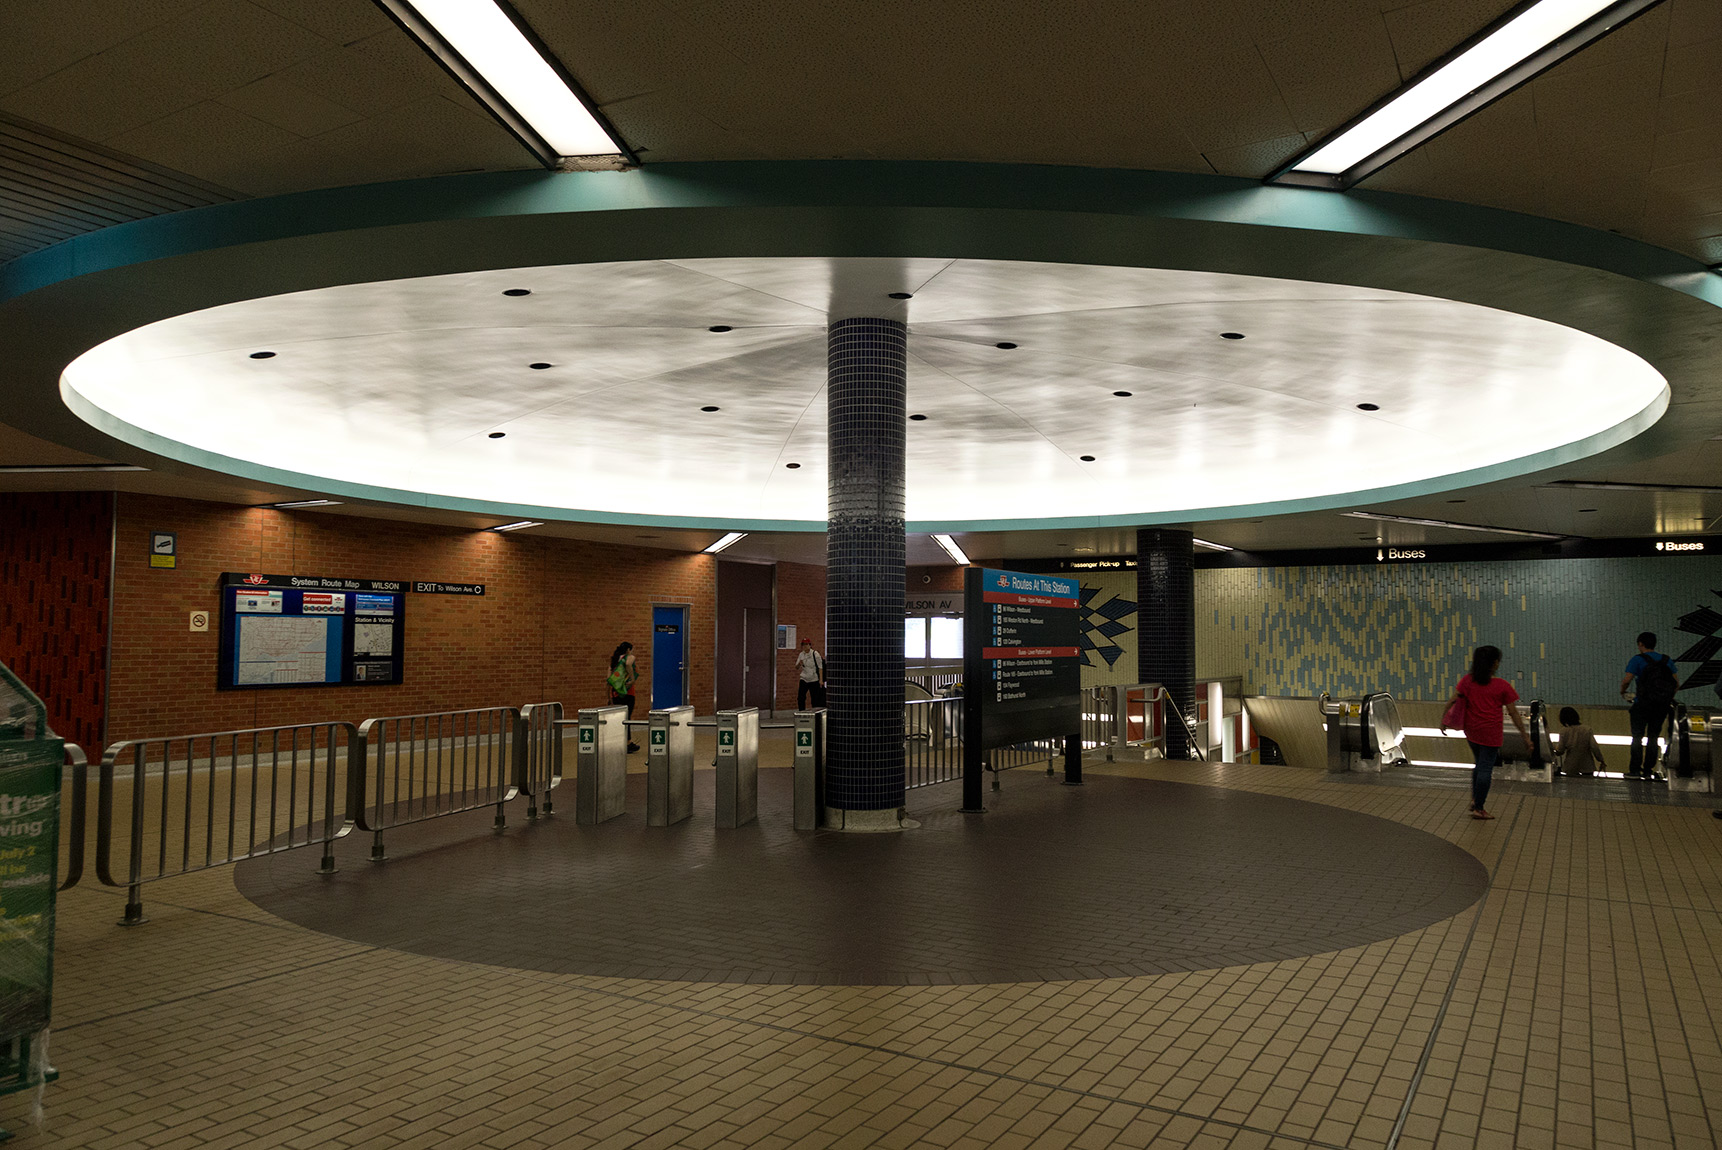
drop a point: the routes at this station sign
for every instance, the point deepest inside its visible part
(1022, 666)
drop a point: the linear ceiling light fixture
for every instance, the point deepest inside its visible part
(57, 468)
(518, 525)
(1525, 42)
(495, 54)
(1211, 546)
(1449, 525)
(732, 537)
(1672, 488)
(297, 503)
(951, 549)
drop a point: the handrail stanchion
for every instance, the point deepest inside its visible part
(457, 766)
(80, 764)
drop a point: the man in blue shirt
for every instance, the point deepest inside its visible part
(1651, 707)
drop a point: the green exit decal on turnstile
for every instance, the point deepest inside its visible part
(659, 737)
(588, 735)
(804, 738)
(726, 742)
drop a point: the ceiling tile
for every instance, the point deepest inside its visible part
(210, 141)
(1423, 33)
(278, 101)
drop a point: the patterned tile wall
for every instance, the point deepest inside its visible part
(1566, 626)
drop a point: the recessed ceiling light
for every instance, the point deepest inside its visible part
(490, 49)
(1451, 526)
(517, 525)
(1369, 407)
(1086, 458)
(901, 295)
(917, 418)
(296, 503)
(1005, 346)
(1455, 501)
(950, 545)
(1086, 550)
(720, 327)
(1586, 485)
(1231, 335)
(518, 291)
(1586, 510)
(262, 355)
(1528, 40)
(709, 408)
(497, 434)
(792, 466)
(1211, 546)
(1122, 394)
(732, 537)
(539, 366)
(54, 468)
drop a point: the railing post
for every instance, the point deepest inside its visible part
(134, 915)
(80, 765)
(327, 866)
(1073, 760)
(508, 729)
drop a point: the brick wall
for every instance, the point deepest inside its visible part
(552, 612)
(54, 552)
(801, 602)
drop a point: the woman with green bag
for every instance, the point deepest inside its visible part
(620, 681)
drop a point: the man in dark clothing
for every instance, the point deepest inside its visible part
(1653, 705)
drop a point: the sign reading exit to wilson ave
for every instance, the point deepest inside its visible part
(1022, 665)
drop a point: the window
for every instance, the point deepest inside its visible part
(947, 637)
(914, 638)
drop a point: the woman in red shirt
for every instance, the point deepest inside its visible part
(1486, 698)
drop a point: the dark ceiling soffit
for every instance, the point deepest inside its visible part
(452, 62)
(1608, 20)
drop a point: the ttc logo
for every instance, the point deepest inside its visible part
(1004, 581)
(256, 579)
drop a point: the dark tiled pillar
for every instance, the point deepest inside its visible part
(1166, 623)
(866, 394)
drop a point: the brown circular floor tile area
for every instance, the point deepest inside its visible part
(1118, 877)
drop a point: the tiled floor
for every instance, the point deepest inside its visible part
(1576, 1004)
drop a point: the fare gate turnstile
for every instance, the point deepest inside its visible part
(1527, 764)
(601, 765)
(737, 767)
(1364, 735)
(669, 766)
(809, 769)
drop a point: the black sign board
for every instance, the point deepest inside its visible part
(449, 588)
(310, 631)
(1022, 664)
(313, 582)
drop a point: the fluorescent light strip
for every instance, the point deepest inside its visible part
(1451, 526)
(304, 503)
(951, 549)
(517, 525)
(494, 55)
(1588, 485)
(65, 468)
(1211, 546)
(1526, 42)
(732, 537)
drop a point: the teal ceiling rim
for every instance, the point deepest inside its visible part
(58, 303)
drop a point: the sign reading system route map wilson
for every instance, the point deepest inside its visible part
(1022, 666)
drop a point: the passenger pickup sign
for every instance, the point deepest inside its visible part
(1022, 670)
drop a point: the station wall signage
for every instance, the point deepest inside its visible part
(1022, 666)
(310, 631)
(1399, 554)
(448, 588)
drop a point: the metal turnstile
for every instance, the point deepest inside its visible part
(1691, 759)
(809, 770)
(601, 765)
(669, 766)
(1365, 735)
(737, 767)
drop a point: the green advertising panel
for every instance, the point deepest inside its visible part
(30, 765)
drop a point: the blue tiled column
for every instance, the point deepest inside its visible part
(866, 394)
(1166, 623)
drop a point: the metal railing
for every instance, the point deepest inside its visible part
(193, 802)
(932, 742)
(418, 767)
(541, 760)
(1001, 759)
(80, 784)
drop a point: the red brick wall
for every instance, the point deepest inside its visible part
(552, 612)
(946, 578)
(801, 602)
(54, 557)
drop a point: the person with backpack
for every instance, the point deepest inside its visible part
(810, 670)
(1653, 705)
(620, 681)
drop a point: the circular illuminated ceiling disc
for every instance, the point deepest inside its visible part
(601, 383)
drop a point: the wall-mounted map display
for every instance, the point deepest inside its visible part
(310, 631)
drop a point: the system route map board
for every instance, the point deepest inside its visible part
(1022, 667)
(310, 631)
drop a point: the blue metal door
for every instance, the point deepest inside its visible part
(669, 656)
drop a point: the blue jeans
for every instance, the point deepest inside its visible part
(1484, 774)
(1647, 726)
